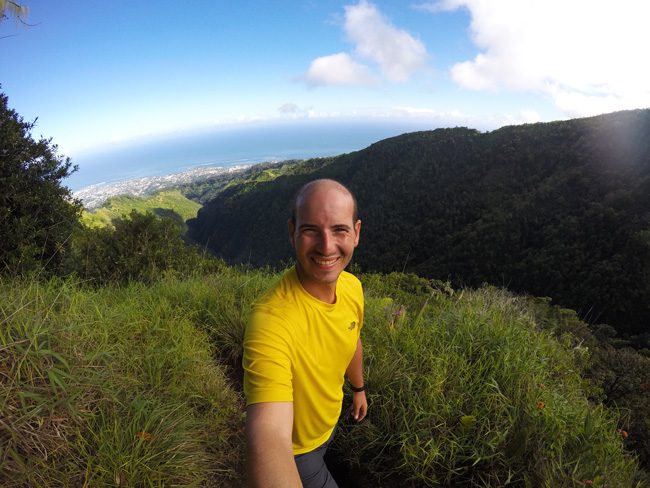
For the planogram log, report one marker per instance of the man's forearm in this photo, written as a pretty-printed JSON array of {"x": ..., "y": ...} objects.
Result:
[
  {"x": 355, "y": 376},
  {"x": 355, "y": 368},
  {"x": 270, "y": 461},
  {"x": 270, "y": 464}
]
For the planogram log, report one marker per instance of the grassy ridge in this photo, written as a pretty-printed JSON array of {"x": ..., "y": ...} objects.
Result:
[
  {"x": 162, "y": 203},
  {"x": 119, "y": 386}
]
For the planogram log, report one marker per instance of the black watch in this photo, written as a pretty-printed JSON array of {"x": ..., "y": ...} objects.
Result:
[{"x": 357, "y": 389}]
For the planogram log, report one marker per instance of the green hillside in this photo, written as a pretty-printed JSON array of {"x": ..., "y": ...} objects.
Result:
[
  {"x": 117, "y": 386},
  {"x": 164, "y": 203},
  {"x": 208, "y": 189},
  {"x": 184, "y": 202},
  {"x": 557, "y": 209}
]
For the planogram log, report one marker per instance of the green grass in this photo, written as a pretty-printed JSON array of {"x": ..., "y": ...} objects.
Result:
[
  {"x": 127, "y": 386},
  {"x": 113, "y": 387},
  {"x": 161, "y": 203},
  {"x": 219, "y": 304},
  {"x": 469, "y": 390}
]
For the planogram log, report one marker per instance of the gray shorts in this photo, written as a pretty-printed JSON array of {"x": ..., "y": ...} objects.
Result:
[{"x": 312, "y": 470}]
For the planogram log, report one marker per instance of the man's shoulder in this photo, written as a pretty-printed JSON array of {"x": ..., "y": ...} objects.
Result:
[
  {"x": 350, "y": 288},
  {"x": 351, "y": 281},
  {"x": 278, "y": 298}
]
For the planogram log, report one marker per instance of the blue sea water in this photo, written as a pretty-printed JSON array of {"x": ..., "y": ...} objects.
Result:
[{"x": 232, "y": 146}]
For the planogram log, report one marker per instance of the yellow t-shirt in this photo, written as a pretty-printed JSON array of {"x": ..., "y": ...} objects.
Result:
[{"x": 297, "y": 348}]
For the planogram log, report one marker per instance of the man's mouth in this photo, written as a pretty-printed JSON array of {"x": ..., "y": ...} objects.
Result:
[{"x": 325, "y": 262}]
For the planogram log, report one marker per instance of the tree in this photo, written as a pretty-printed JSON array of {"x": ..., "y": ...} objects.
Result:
[
  {"x": 37, "y": 213},
  {"x": 13, "y": 8},
  {"x": 140, "y": 247}
]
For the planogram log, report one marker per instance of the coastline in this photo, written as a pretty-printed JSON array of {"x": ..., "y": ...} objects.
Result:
[{"x": 94, "y": 196}]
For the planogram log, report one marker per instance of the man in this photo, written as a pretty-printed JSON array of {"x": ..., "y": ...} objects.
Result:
[{"x": 303, "y": 337}]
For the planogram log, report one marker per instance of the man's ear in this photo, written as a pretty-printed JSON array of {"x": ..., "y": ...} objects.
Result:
[
  {"x": 357, "y": 232},
  {"x": 291, "y": 227}
]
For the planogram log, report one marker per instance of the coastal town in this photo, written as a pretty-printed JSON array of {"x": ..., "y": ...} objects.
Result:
[{"x": 95, "y": 195}]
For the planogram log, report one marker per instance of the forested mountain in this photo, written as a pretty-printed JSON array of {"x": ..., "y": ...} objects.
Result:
[{"x": 557, "y": 209}]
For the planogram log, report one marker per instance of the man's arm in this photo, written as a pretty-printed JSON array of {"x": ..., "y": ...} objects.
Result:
[
  {"x": 270, "y": 461},
  {"x": 355, "y": 376}
]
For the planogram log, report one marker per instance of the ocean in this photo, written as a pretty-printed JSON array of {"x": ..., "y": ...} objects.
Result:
[{"x": 227, "y": 147}]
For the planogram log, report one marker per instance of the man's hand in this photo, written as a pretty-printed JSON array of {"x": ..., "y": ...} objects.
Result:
[
  {"x": 359, "y": 406},
  {"x": 355, "y": 375},
  {"x": 268, "y": 441}
]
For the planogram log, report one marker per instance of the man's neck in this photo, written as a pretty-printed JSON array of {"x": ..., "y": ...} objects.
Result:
[{"x": 325, "y": 292}]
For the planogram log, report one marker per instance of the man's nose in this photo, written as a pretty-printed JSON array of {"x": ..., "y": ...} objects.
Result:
[{"x": 327, "y": 245}]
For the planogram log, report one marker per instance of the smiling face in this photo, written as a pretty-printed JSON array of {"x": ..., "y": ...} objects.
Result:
[{"x": 324, "y": 236}]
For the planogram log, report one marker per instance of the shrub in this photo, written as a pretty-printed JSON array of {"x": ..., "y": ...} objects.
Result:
[
  {"x": 624, "y": 377},
  {"x": 619, "y": 375},
  {"x": 140, "y": 247},
  {"x": 468, "y": 390}
]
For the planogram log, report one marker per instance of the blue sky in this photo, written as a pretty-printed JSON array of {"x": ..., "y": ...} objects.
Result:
[{"x": 101, "y": 73}]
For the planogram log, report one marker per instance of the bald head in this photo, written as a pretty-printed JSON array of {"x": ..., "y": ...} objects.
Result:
[{"x": 322, "y": 185}]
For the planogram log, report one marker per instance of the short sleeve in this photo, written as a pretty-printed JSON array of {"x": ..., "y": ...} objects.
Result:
[
  {"x": 358, "y": 298},
  {"x": 361, "y": 308},
  {"x": 267, "y": 360}
]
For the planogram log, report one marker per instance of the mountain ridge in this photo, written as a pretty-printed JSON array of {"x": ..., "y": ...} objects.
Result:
[{"x": 559, "y": 209}]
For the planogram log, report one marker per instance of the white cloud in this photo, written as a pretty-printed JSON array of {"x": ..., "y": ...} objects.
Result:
[
  {"x": 397, "y": 52},
  {"x": 415, "y": 111},
  {"x": 456, "y": 117},
  {"x": 530, "y": 116},
  {"x": 434, "y": 7},
  {"x": 574, "y": 102},
  {"x": 289, "y": 108},
  {"x": 587, "y": 55},
  {"x": 337, "y": 69}
]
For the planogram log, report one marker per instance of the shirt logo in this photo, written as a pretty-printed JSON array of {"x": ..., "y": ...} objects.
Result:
[{"x": 353, "y": 324}]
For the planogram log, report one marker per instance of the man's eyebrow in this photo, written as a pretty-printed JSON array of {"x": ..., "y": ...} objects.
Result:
[
  {"x": 307, "y": 226},
  {"x": 314, "y": 226}
]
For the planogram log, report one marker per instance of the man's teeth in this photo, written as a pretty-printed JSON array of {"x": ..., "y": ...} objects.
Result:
[{"x": 325, "y": 262}]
